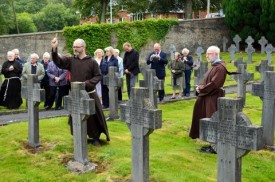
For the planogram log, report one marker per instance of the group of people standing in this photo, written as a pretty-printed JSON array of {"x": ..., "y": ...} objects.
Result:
[
  {"x": 54, "y": 80},
  {"x": 56, "y": 74}
]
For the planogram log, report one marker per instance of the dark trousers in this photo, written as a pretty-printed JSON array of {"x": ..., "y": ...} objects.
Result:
[
  {"x": 46, "y": 86},
  {"x": 187, "y": 81},
  {"x": 119, "y": 94},
  {"x": 161, "y": 93},
  {"x": 60, "y": 90},
  {"x": 105, "y": 95}
]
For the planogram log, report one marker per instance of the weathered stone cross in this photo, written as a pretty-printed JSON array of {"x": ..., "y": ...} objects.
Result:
[
  {"x": 80, "y": 106},
  {"x": 153, "y": 84},
  {"x": 199, "y": 73},
  {"x": 142, "y": 119},
  {"x": 234, "y": 136},
  {"x": 113, "y": 81},
  {"x": 242, "y": 79},
  {"x": 34, "y": 95},
  {"x": 266, "y": 90},
  {"x": 263, "y": 67}
]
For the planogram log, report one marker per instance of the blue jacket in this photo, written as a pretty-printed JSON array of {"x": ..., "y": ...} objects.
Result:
[
  {"x": 158, "y": 64},
  {"x": 54, "y": 71},
  {"x": 104, "y": 64}
]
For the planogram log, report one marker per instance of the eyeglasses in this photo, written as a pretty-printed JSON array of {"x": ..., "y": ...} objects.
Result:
[
  {"x": 210, "y": 53},
  {"x": 77, "y": 47}
]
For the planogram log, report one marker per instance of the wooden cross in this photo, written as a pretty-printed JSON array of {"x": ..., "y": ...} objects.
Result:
[
  {"x": 142, "y": 119},
  {"x": 34, "y": 95},
  {"x": 234, "y": 136}
]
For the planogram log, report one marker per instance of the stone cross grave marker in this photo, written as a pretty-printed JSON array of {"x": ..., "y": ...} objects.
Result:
[
  {"x": 172, "y": 50},
  {"x": 232, "y": 51},
  {"x": 262, "y": 42},
  {"x": 231, "y": 131},
  {"x": 263, "y": 67},
  {"x": 239, "y": 61},
  {"x": 249, "y": 50},
  {"x": 249, "y": 40},
  {"x": 199, "y": 52},
  {"x": 237, "y": 39},
  {"x": 80, "y": 107},
  {"x": 34, "y": 95},
  {"x": 199, "y": 73},
  {"x": 113, "y": 82},
  {"x": 266, "y": 90},
  {"x": 224, "y": 42},
  {"x": 242, "y": 79},
  {"x": 142, "y": 119},
  {"x": 153, "y": 84},
  {"x": 268, "y": 51}
]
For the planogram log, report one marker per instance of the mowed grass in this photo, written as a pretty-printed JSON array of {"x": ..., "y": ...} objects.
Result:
[{"x": 174, "y": 157}]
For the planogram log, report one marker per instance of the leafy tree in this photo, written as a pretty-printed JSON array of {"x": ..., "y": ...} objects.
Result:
[
  {"x": 241, "y": 20},
  {"x": 267, "y": 19},
  {"x": 92, "y": 7},
  {"x": 6, "y": 18},
  {"x": 29, "y": 6},
  {"x": 25, "y": 23},
  {"x": 55, "y": 17}
]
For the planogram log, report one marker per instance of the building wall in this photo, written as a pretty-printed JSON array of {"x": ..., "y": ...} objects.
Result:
[{"x": 206, "y": 32}]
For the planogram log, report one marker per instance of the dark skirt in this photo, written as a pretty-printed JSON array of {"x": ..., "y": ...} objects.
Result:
[{"x": 10, "y": 94}]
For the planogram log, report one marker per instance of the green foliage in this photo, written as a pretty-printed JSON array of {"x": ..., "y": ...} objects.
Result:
[
  {"x": 54, "y": 17},
  {"x": 29, "y": 6},
  {"x": 25, "y": 23},
  {"x": 137, "y": 33},
  {"x": 241, "y": 20}
]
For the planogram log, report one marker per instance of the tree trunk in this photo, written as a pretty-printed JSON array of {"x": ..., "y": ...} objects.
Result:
[
  {"x": 103, "y": 11},
  {"x": 188, "y": 9},
  {"x": 15, "y": 19}
]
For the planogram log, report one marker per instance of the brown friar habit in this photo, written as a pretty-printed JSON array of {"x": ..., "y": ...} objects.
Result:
[
  {"x": 86, "y": 70},
  {"x": 206, "y": 103}
]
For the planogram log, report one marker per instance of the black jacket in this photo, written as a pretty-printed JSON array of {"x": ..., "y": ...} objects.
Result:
[{"x": 131, "y": 61}]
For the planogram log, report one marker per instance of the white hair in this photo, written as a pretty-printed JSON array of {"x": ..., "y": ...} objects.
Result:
[
  {"x": 116, "y": 50},
  {"x": 185, "y": 51},
  {"x": 34, "y": 55},
  {"x": 109, "y": 48},
  {"x": 46, "y": 55},
  {"x": 213, "y": 48}
]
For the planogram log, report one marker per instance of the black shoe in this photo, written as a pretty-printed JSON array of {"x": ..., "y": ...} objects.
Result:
[
  {"x": 96, "y": 142},
  {"x": 47, "y": 107},
  {"x": 208, "y": 150},
  {"x": 58, "y": 108}
]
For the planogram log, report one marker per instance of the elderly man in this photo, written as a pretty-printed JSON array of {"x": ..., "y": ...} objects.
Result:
[
  {"x": 83, "y": 68},
  {"x": 158, "y": 60},
  {"x": 17, "y": 56},
  {"x": 33, "y": 67},
  {"x": 208, "y": 92}
]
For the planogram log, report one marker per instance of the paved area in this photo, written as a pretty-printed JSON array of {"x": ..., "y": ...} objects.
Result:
[{"x": 19, "y": 116}]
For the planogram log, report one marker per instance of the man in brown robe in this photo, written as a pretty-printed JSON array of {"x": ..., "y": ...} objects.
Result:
[
  {"x": 209, "y": 91},
  {"x": 83, "y": 68}
]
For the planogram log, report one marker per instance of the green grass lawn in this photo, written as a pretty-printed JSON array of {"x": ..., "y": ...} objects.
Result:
[{"x": 174, "y": 157}]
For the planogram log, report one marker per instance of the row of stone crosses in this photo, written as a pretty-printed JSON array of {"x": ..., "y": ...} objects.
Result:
[
  {"x": 229, "y": 128},
  {"x": 234, "y": 48}
]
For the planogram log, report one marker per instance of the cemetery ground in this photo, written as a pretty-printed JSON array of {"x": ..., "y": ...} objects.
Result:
[{"x": 173, "y": 155}]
